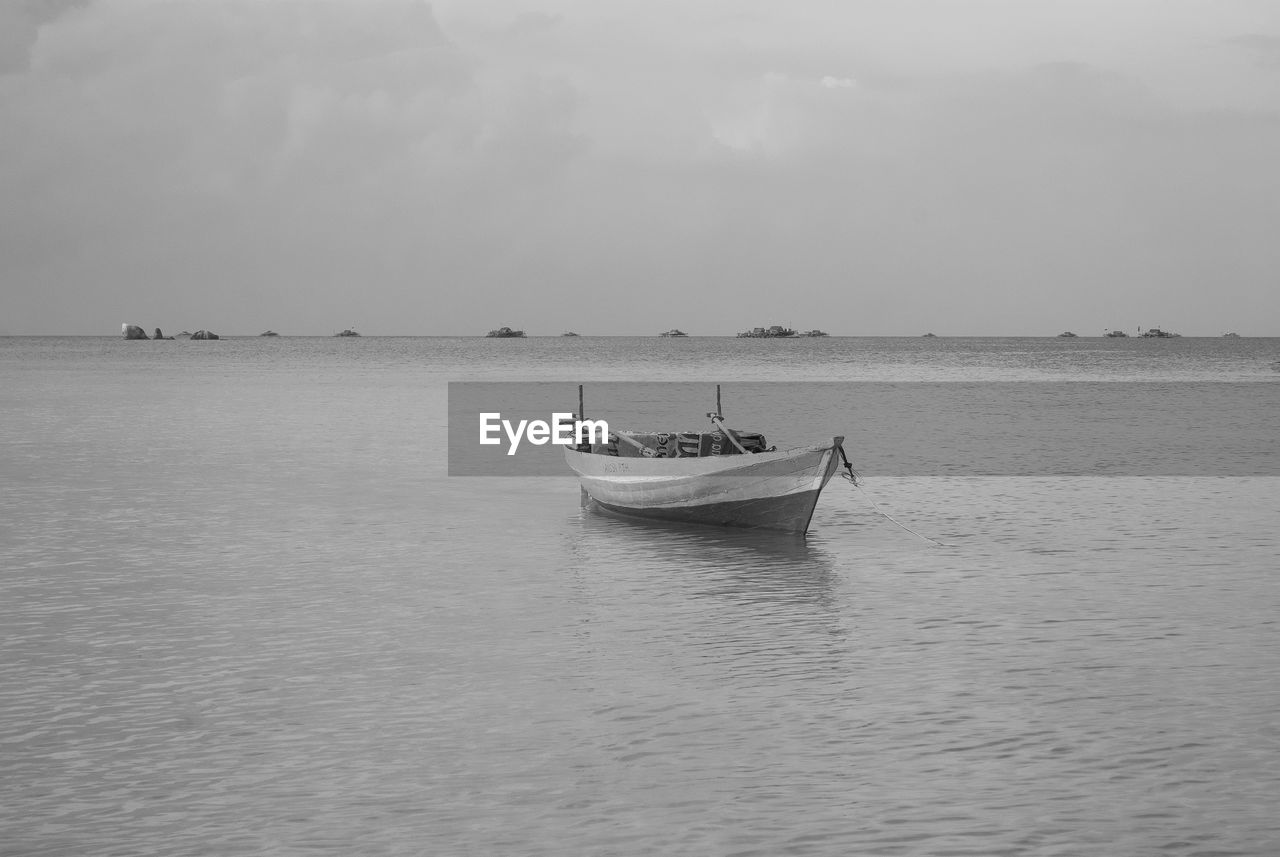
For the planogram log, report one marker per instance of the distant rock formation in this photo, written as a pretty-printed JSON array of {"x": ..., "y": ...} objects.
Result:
[
  {"x": 132, "y": 331},
  {"x": 160, "y": 335},
  {"x": 505, "y": 333},
  {"x": 204, "y": 334},
  {"x": 772, "y": 331}
]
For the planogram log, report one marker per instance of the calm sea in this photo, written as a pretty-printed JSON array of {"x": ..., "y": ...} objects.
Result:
[{"x": 245, "y": 610}]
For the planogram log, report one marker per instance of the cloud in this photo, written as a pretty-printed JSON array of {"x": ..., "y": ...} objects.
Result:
[
  {"x": 533, "y": 22},
  {"x": 311, "y": 165},
  {"x": 156, "y": 150},
  {"x": 20, "y": 24},
  {"x": 1265, "y": 46}
]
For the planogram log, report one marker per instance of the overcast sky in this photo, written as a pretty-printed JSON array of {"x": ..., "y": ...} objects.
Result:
[{"x": 967, "y": 167}]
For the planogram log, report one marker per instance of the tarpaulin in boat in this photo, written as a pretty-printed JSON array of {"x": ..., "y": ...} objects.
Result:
[{"x": 682, "y": 444}]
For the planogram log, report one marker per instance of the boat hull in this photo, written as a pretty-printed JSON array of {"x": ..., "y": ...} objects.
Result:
[{"x": 767, "y": 490}]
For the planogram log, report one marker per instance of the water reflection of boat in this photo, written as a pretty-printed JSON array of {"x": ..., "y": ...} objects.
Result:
[{"x": 775, "y": 565}]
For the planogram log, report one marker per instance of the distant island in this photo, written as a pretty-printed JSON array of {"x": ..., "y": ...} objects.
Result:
[
  {"x": 133, "y": 331},
  {"x": 773, "y": 331},
  {"x": 505, "y": 333}
]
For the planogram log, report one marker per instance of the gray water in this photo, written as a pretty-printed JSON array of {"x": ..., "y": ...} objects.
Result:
[{"x": 246, "y": 611}]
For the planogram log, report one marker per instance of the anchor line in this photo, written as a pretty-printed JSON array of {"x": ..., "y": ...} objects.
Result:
[{"x": 852, "y": 477}]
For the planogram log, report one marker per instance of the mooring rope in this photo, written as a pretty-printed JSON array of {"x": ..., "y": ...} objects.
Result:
[{"x": 852, "y": 477}]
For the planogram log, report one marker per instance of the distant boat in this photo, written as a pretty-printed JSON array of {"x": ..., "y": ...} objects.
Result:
[
  {"x": 722, "y": 477},
  {"x": 814, "y": 332},
  {"x": 1157, "y": 333},
  {"x": 1116, "y": 334},
  {"x": 1066, "y": 334},
  {"x": 773, "y": 331},
  {"x": 675, "y": 331},
  {"x": 347, "y": 332},
  {"x": 930, "y": 336},
  {"x": 1230, "y": 336},
  {"x": 568, "y": 333},
  {"x": 505, "y": 333},
  {"x": 270, "y": 333}
]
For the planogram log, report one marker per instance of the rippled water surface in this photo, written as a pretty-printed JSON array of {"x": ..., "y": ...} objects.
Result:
[{"x": 245, "y": 611}]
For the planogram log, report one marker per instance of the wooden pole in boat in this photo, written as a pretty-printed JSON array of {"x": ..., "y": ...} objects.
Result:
[
  {"x": 581, "y": 415},
  {"x": 718, "y": 411}
]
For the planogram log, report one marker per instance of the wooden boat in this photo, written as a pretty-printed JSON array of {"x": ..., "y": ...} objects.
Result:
[{"x": 723, "y": 477}]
